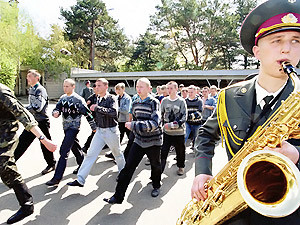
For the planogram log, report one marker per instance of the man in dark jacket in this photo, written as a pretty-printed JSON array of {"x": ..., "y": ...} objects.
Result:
[
  {"x": 38, "y": 105},
  {"x": 87, "y": 91},
  {"x": 107, "y": 132}
]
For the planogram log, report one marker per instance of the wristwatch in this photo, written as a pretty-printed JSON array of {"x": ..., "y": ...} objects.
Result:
[{"x": 42, "y": 137}]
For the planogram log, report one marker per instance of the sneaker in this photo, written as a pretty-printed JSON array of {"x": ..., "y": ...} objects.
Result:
[
  {"x": 48, "y": 169},
  {"x": 180, "y": 171},
  {"x": 147, "y": 162},
  {"x": 75, "y": 183},
  {"x": 53, "y": 182},
  {"x": 155, "y": 192}
]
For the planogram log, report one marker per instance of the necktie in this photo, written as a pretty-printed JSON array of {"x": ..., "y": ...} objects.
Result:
[{"x": 267, "y": 100}]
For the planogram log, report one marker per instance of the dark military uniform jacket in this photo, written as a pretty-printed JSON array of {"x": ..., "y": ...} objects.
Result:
[
  {"x": 239, "y": 99},
  {"x": 11, "y": 112}
]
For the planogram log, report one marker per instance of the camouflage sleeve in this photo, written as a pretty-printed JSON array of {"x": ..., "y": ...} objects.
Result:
[{"x": 17, "y": 109}]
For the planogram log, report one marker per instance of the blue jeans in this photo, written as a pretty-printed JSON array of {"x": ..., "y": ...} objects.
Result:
[
  {"x": 70, "y": 142},
  {"x": 191, "y": 128},
  {"x": 103, "y": 136}
]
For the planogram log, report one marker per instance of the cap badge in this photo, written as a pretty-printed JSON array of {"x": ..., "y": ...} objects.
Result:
[
  {"x": 244, "y": 90},
  {"x": 289, "y": 18}
]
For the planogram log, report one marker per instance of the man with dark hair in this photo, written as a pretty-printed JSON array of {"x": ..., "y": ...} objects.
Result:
[
  {"x": 12, "y": 112},
  {"x": 38, "y": 105},
  {"x": 87, "y": 91}
]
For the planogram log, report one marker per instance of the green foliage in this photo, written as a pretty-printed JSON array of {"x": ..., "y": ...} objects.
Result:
[
  {"x": 8, "y": 71},
  {"x": 203, "y": 32},
  {"x": 52, "y": 59},
  {"x": 8, "y": 43},
  {"x": 151, "y": 54},
  {"x": 103, "y": 42}
]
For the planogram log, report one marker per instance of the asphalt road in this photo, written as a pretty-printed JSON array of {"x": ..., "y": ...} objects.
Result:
[{"x": 75, "y": 205}]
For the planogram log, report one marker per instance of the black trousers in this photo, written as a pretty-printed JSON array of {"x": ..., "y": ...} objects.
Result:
[
  {"x": 88, "y": 141},
  {"x": 129, "y": 144},
  {"x": 176, "y": 141},
  {"x": 26, "y": 138},
  {"x": 123, "y": 130},
  {"x": 135, "y": 156}
]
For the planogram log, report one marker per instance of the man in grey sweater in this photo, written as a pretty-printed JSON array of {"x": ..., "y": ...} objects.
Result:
[
  {"x": 38, "y": 105},
  {"x": 174, "y": 114}
]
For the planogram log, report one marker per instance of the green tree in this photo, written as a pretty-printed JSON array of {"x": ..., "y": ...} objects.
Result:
[
  {"x": 88, "y": 22},
  {"x": 203, "y": 32},
  {"x": 8, "y": 43},
  {"x": 52, "y": 58},
  {"x": 243, "y": 7},
  {"x": 150, "y": 54}
]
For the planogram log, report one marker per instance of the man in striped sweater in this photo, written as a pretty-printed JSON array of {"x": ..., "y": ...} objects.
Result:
[
  {"x": 194, "y": 107},
  {"x": 145, "y": 111}
]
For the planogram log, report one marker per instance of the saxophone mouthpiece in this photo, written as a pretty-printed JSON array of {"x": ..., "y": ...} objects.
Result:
[{"x": 287, "y": 67}]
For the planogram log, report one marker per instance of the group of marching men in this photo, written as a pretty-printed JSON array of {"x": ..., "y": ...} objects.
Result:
[{"x": 154, "y": 124}]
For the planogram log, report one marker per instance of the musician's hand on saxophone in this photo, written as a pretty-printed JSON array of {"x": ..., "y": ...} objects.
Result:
[
  {"x": 199, "y": 190},
  {"x": 288, "y": 150}
]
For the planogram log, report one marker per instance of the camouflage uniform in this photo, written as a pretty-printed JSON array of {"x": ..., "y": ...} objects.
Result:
[{"x": 12, "y": 112}]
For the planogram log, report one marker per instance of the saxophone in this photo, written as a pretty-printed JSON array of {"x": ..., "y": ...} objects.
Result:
[{"x": 264, "y": 180}]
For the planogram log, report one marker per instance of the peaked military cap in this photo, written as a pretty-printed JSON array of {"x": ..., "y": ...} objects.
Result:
[{"x": 269, "y": 17}]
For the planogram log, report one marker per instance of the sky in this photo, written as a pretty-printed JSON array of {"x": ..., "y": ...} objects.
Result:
[{"x": 133, "y": 15}]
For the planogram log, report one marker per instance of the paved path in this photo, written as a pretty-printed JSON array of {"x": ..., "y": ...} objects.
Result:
[{"x": 74, "y": 205}]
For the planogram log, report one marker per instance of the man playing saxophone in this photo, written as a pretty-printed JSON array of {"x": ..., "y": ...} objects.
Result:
[{"x": 271, "y": 32}]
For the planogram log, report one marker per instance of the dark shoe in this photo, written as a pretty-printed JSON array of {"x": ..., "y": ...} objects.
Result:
[
  {"x": 180, "y": 171},
  {"x": 23, "y": 212},
  {"x": 53, "y": 182},
  {"x": 84, "y": 149},
  {"x": 112, "y": 200},
  {"x": 76, "y": 170},
  {"x": 48, "y": 169},
  {"x": 109, "y": 155},
  {"x": 75, "y": 183},
  {"x": 155, "y": 192},
  {"x": 25, "y": 200}
]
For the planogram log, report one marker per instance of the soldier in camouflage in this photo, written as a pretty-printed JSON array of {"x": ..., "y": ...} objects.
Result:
[{"x": 12, "y": 112}]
